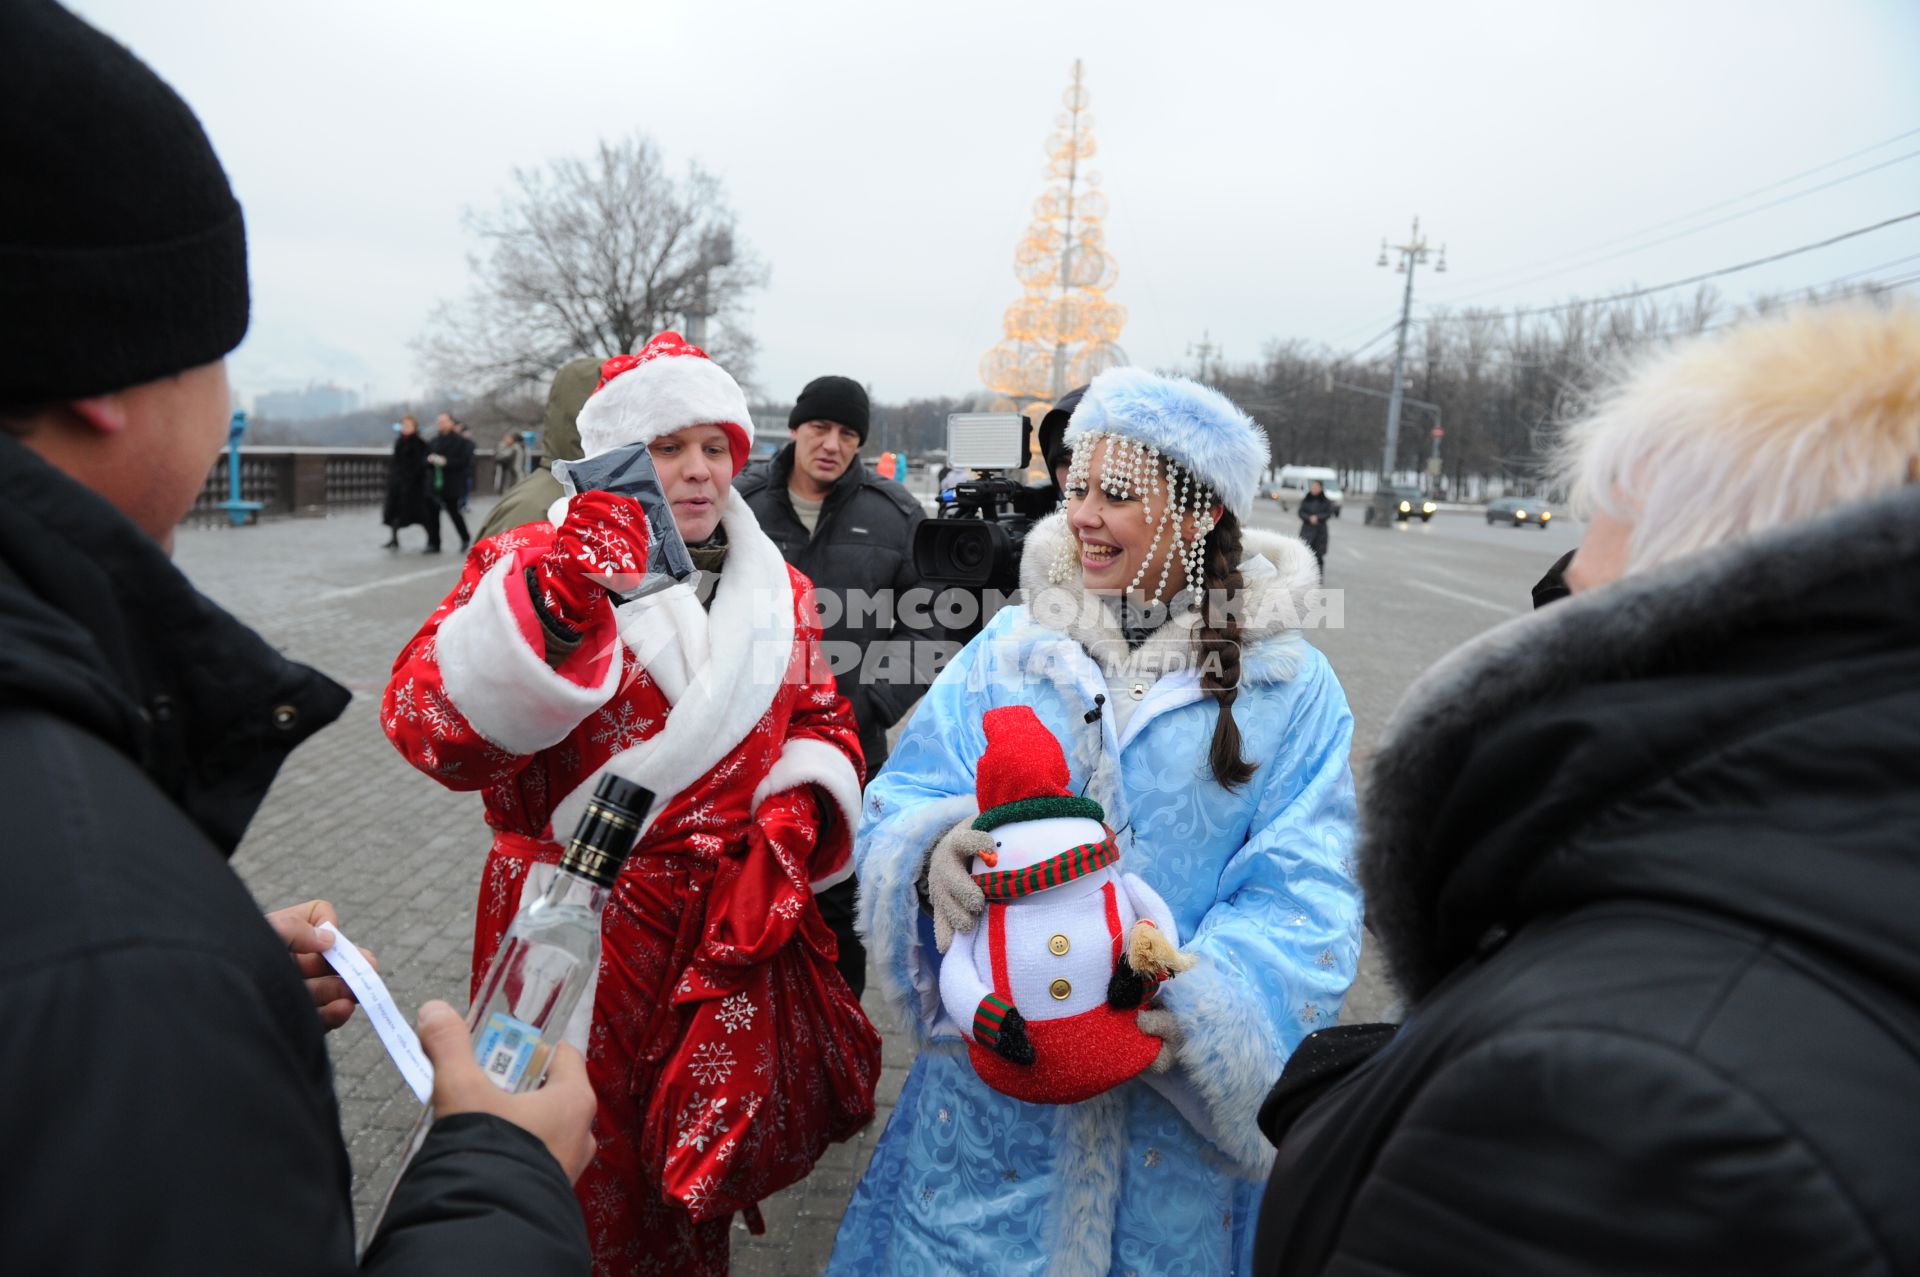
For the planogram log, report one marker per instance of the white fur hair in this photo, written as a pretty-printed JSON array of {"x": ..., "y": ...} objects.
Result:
[
  {"x": 1773, "y": 421},
  {"x": 1196, "y": 425}
]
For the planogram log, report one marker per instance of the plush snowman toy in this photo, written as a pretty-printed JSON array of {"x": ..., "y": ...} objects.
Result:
[{"x": 1050, "y": 981}]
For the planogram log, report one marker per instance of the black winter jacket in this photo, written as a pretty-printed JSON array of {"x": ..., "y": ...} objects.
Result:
[
  {"x": 459, "y": 452},
  {"x": 409, "y": 488},
  {"x": 170, "y": 1106},
  {"x": 1647, "y": 864},
  {"x": 863, "y": 542}
]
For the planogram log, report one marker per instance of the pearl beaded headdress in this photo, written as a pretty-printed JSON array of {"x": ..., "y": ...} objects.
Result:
[{"x": 1168, "y": 494}]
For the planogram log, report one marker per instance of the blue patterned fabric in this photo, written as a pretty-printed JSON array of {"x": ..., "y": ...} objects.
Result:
[{"x": 1154, "y": 1178}]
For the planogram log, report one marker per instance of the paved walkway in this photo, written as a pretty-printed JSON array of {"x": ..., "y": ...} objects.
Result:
[{"x": 400, "y": 857}]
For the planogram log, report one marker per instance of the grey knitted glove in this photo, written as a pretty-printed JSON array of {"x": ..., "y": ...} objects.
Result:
[
  {"x": 955, "y": 897},
  {"x": 1158, "y": 1022}
]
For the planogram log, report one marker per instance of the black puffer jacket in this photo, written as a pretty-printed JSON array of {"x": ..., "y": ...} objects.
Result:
[
  {"x": 1646, "y": 862},
  {"x": 863, "y": 542},
  {"x": 170, "y": 1106}
]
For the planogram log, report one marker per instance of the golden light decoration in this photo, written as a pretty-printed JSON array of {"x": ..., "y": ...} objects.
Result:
[{"x": 1063, "y": 329}]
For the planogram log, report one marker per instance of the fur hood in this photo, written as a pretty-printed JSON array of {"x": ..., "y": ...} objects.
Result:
[
  {"x": 1282, "y": 592},
  {"x": 1769, "y": 607}
]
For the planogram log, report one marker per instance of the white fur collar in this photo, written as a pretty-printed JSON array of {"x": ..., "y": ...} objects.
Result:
[{"x": 721, "y": 669}]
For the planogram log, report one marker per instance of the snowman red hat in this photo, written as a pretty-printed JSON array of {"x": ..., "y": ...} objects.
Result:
[
  {"x": 1049, "y": 985},
  {"x": 669, "y": 385}
]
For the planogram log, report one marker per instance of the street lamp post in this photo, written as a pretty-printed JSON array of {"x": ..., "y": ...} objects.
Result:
[{"x": 1412, "y": 253}]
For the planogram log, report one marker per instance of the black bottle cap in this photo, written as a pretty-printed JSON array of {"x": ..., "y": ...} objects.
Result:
[
  {"x": 624, "y": 796},
  {"x": 607, "y": 830}
]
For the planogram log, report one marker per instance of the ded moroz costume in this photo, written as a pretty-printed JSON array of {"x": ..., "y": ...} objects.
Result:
[{"x": 725, "y": 1047}]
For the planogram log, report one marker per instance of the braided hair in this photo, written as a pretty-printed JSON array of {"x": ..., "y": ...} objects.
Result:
[{"x": 1219, "y": 638}]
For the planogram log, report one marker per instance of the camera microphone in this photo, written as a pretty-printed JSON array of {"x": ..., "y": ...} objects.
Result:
[{"x": 1093, "y": 715}]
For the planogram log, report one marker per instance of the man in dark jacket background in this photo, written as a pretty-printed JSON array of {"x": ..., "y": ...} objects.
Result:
[
  {"x": 451, "y": 456},
  {"x": 170, "y": 1106},
  {"x": 851, "y": 532}
]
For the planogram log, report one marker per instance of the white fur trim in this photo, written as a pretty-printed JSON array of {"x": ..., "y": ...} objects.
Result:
[
  {"x": 1091, "y": 1139},
  {"x": 500, "y": 684},
  {"x": 888, "y": 915},
  {"x": 804, "y": 761},
  {"x": 751, "y": 628},
  {"x": 1229, "y": 1057},
  {"x": 659, "y": 397}
]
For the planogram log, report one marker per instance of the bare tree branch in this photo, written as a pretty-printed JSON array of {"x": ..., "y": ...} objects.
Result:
[{"x": 592, "y": 257}]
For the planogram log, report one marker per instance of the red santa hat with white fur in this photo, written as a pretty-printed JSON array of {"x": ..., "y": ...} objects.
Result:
[{"x": 669, "y": 385}]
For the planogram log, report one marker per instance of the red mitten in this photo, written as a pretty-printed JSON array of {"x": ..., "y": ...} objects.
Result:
[{"x": 601, "y": 544}]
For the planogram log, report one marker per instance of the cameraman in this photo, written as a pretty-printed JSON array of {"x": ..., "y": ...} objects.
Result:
[
  {"x": 852, "y": 533},
  {"x": 1052, "y": 440}
]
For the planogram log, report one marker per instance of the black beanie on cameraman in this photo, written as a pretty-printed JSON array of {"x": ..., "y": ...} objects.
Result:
[
  {"x": 837, "y": 399},
  {"x": 123, "y": 258}
]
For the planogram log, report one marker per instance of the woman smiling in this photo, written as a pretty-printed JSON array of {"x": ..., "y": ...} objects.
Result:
[{"x": 1216, "y": 741}]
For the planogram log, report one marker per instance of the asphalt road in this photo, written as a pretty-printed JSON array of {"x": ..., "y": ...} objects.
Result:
[
  {"x": 1412, "y": 592},
  {"x": 1415, "y": 591}
]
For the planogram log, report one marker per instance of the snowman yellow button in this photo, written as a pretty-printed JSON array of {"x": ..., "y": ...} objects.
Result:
[
  {"x": 1060, "y": 990},
  {"x": 1058, "y": 946}
]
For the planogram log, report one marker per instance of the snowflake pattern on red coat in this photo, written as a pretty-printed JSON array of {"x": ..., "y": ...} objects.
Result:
[{"x": 717, "y": 981}]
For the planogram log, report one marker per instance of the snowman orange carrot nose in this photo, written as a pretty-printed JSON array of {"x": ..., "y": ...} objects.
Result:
[{"x": 991, "y": 857}]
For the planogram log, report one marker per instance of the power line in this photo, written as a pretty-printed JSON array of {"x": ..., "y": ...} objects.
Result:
[
  {"x": 1692, "y": 230},
  {"x": 1865, "y": 286},
  {"x": 1710, "y": 208},
  {"x": 1701, "y": 278},
  {"x": 1371, "y": 341}
]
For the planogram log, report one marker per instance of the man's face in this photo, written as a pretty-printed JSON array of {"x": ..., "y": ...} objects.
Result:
[
  {"x": 443, "y": 424},
  {"x": 823, "y": 450},
  {"x": 696, "y": 467},
  {"x": 156, "y": 463}
]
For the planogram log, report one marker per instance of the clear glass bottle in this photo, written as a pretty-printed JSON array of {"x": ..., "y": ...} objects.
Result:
[
  {"x": 552, "y": 948},
  {"x": 549, "y": 955}
]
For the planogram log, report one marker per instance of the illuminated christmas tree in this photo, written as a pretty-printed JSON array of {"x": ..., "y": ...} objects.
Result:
[{"x": 1063, "y": 329}]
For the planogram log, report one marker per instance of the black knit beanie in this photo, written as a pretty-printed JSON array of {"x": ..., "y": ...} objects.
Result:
[
  {"x": 123, "y": 258},
  {"x": 837, "y": 399}
]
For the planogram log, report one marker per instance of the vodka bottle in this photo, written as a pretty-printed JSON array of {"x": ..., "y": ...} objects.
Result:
[
  {"x": 551, "y": 951},
  {"x": 548, "y": 957}
]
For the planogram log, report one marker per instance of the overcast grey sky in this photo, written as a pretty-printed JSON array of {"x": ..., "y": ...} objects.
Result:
[{"x": 884, "y": 157}]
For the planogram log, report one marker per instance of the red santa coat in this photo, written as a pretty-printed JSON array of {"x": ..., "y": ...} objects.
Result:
[{"x": 725, "y": 1048}]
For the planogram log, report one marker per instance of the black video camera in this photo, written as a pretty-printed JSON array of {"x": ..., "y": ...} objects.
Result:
[{"x": 976, "y": 541}]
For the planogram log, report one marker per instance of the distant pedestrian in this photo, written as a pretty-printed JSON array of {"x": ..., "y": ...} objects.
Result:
[
  {"x": 507, "y": 461},
  {"x": 1315, "y": 509},
  {"x": 1643, "y": 862},
  {"x": 451, "y": 459},
  {"x": 409, "y": 496}
]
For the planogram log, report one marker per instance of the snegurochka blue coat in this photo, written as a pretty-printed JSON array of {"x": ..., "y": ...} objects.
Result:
[{"x": 1161, "y": 1176}]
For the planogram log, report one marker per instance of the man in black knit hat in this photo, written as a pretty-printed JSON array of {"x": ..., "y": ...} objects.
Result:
[
  {"x": 170, "y": 1104},
  {"x": 851, "y": 532}
]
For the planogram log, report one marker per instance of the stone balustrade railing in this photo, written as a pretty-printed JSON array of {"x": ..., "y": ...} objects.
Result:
[{"x": 306, "y": 481}]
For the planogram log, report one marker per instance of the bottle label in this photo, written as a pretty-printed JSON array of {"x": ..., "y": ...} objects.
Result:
[{"x": 505, "y": 1047}]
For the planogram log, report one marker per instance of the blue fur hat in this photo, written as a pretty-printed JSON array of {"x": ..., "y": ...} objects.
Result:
[{"x": 1194, "y": 424}]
